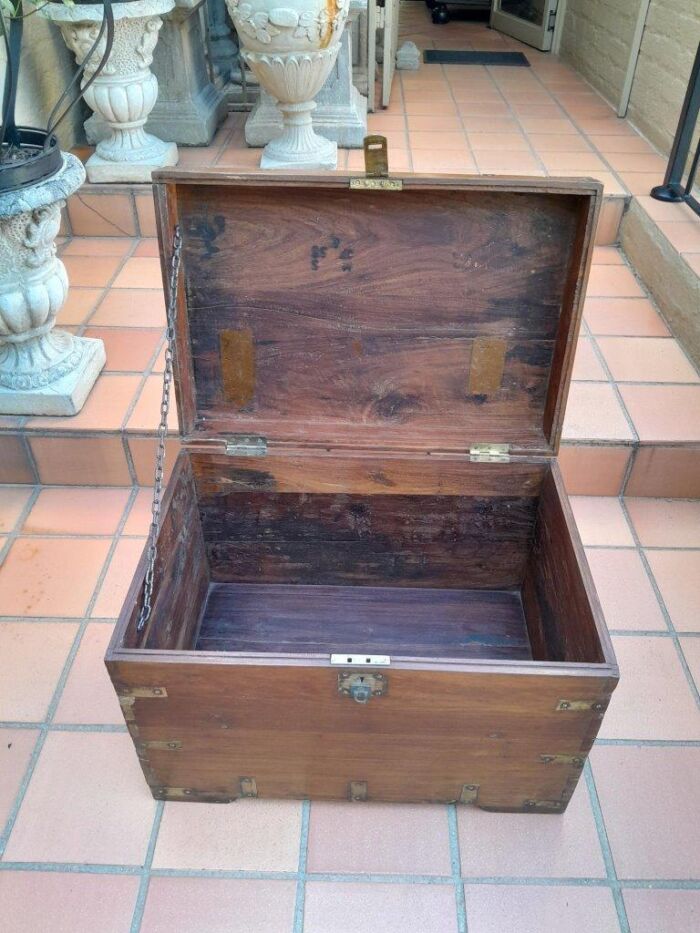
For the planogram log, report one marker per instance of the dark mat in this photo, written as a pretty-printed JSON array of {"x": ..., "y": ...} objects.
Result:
[{"x": 453, "y": 57}]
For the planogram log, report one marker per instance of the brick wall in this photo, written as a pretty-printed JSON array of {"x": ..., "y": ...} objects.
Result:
[
  {"x": 596, "y": 40},
  {"x": 666, "y": 57}
]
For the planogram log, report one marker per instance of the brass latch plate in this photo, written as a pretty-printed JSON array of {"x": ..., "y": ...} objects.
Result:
[
  {"x": 376, "y": 167},
  {"x": 246, "y": 445},
  {"x": 575, "y": 706},
  {"x": 361, "y": 686},
  {"x": 577, "y": 761}
]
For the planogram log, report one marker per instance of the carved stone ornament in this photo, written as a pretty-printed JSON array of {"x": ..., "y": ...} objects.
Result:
[
  {"x": 126, "y": 89},
  {"x": 291, "y": 50},
  {"x": 42, "y": 371}
]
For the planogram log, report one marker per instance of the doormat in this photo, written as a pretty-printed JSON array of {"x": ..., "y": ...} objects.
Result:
[{"x": 452, "y": 57}]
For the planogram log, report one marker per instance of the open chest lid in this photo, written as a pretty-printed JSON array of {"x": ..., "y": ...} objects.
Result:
[{"x": 436, "y": 316}]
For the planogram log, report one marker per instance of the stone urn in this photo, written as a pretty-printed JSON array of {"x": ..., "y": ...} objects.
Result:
[
  {"x": 42, "y": 371},
  {"x": 126, "y": 90},
  {"x": 291, "y": 46}
]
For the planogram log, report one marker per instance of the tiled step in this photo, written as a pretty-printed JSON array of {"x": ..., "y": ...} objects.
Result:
[{"x": 632, "y": 424}]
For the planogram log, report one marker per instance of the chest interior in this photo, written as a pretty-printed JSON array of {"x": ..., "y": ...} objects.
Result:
[{"x": 374, "y": 339}]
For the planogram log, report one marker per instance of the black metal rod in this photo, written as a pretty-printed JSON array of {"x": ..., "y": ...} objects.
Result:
[{"x": 672, "y": 188}]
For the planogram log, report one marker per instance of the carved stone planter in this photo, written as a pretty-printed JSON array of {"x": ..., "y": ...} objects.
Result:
[
  {"x": 42, "y": 371},
  {"x": 341, "y": 111},
  {"x": 291, "y": 49},
  {"x": 126, "y": 90}
]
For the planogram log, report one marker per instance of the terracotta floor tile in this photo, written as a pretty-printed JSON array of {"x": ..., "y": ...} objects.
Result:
[
  {"x": 664, "y": 413},
  {"x": 32, "y": 656},
  {"x": 379, "y": 838},
  {"x": 484, "y": 108},
  {"x": 576, "y": 161},
  {"x": 648, "y": 796},
  {"x": 594, "y": 412},
  {"x": 587, "y": 366},
  {"x": 500, "y": 142},
  {"x": 13, "y": 500},
  {"x": 608, "y": 229},
  {"x": 613, "y": 282},
  {"x": 646, "y": 359},
  {"x": 653, "y": 699},
  {"x": 88, "y": 696},
  {"x": 91, "y": 271},
  {"x": 129, "y": 349},
  {"x": 637, "y": 162},
  {"x": 558, "y": 126},
  {"x": 606, "y": 126},
  {"x": 443, "y": 141},
  {"x": 670, "y": 911},
  {"x": 131, "y": 308},
  {"x": 482, "y": 124},
  {"x": 624, "y": 589},
  {"x": 436, "y": 108},
  {"x": 683, "y": 237},
  {"x": 380, "y": 122},
  {"x": 253, "y": 835},
  {"x": 16, "y": 747},
  {"x": 214, "y": 905},
  {"x": 393, "y": 908},
  {"x": 624, "y": 317},
  {"x": 146, "y": 413},
  {"x": 145, "y": 211},
  {"x": 492, "y": 162},
  {"x": 665, "y": 522},
  {"x": 677, "y": 574},
  {"x": 118, "y": 578},
  {"x": 81, "y": 460},
  {"x": 494, "y": 844},
  {"x": 104, "y": 410},
  {"x": 519, "y": 909},
  {"x": 77, "y": 511},
  {"x": 148, "y": 246},
  {"x": 693, "y": 260},
  {"x": 607, "y": 256},
  {"x": 666, "y": 212},
  {"x": 78, "y": 305},
  {"x": 101, "y": 215},
  {"x": 549, "y": 143},
  {"x": 97, "y": 246},
  {"x": 43, "y": 575},
  {"x": 434, "y": 122},
  {"x": 140, "y": 272},
  {"x": 139, "y": 519},
  {"x": 601, "y": 521},
  {"x": 143, "y": 453},
  {"x": 593, "y": 470},
  {"x": 665, "y": 471},
  {"x": 75, "y": 903},
  {"x": 640, "y": 183},
  {"x": 87, "y": 802},
  {"x": 609, "y": 144}
]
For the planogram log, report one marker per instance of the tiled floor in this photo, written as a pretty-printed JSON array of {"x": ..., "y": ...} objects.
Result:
[{"x": 85, "y": 848}]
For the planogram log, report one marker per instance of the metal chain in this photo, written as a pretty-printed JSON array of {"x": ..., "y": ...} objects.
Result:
[{"x": 162, "y": 429}]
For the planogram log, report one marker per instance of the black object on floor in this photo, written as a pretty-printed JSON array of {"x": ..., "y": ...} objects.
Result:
[{"x": 452, "y": 57}]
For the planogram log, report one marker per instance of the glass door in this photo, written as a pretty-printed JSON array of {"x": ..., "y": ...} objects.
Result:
[{"x": 531, "y": 21}]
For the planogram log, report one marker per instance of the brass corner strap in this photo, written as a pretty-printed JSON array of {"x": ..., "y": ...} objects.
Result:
[{"x": 376, "y": 167}]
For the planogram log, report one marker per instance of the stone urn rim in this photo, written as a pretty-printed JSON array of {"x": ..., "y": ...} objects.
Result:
[
  {"x": 82, "y": 11},
  {"x": 45, "y": 191}
]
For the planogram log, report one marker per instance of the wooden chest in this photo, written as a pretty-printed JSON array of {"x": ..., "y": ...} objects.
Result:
[{"x": 368, "y": 580}]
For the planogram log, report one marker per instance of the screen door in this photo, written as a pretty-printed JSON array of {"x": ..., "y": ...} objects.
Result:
[{"x": 531, "y": 21}]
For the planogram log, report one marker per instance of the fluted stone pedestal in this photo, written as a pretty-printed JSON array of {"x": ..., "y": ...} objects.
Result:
[{"x": 42, "y": 371}]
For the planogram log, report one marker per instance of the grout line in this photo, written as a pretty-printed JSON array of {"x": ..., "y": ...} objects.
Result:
[
  {"x": 140, "y": 905},
  {"x": 64, "y": 726},
  {"x": 631, "y": 461},
  {"x": 651, "y": 743},
  {"x": 662, "y": 605},
  {"x": 110, "y": 283},
  {"x": 298, "y": 923},
  {"x": 606, "y": 850},
  {"x": 611, "y": 381},
  {"x": 456, "y": 862}
]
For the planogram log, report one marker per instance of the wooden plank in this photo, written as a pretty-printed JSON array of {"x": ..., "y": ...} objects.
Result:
[
  {"x": 290, "y": 729},
  {"x": 436, "y": 541},
  {"x": 375, "y": 620}
]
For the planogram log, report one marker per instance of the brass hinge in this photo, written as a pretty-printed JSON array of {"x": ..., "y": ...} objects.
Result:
[
  {"x": 469, "y": 794},
  {"x": 376, "y": 167},
  {"x": 489, "y": 453},
  {"x": 246, "y": 445},
  {"x": 575, "y": 706},
  {"x": 576, "y": 760},
  {"x": 543, "y": 805},
  {"x": 357, "y": 790},
  {"x": 249, "y": 787},
  {"x": 190, "y": 793},
  {"x": 171, "y": 746},
  {"x": 142, "y": 692}
]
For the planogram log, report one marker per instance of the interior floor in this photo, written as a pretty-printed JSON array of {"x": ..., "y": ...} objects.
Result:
[{"x": 396, "y": 621}]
